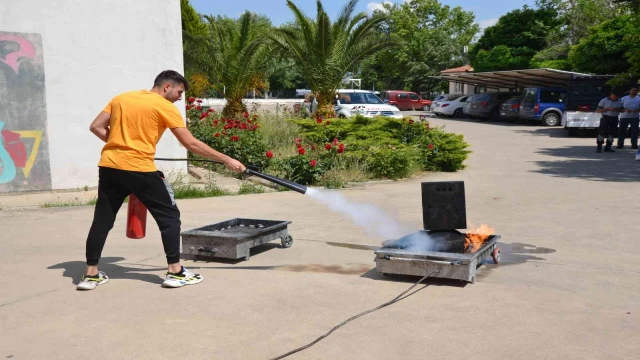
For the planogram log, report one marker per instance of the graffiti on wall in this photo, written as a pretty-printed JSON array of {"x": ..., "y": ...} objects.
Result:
[{"x": 24, "y": 148}]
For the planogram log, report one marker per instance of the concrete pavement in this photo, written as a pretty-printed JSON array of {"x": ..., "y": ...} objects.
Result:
[{"x": 567, "y": 287}]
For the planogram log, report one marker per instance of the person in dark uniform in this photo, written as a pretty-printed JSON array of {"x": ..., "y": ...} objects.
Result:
[{"x": 610, "y": 108}]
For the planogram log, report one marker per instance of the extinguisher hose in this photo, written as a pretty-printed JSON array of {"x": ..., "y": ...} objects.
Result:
[{"x": 252, "y": 170}]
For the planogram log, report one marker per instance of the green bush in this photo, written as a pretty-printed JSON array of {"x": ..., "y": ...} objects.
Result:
[
  {"x": 389, "y": 162},
  {"x": 331, "y": 152},
  {"x": 237, "y": 138},
  {"x": 442, "y": 151}
]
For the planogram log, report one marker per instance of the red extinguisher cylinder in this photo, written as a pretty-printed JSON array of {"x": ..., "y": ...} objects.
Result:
[{"x": 136, "y": 218}]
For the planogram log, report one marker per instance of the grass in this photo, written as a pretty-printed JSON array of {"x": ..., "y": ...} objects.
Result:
[
  {"x": 74, "y": 202},
  {"x": 249, "y": 188},
  {"x": 279, "y": 134},
  {"x": 194, "y": 192}
]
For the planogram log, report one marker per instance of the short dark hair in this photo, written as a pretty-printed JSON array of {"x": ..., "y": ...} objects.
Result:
[{"x": 170, "y": 76}]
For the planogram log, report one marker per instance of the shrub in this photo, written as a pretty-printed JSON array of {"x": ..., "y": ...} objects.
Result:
[
  {"x": 442, "y": 151},
  {"x": 237, "y": 138},
  {"x": 389, "y": 162}
]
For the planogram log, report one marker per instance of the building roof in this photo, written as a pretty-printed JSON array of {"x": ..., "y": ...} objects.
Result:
[
  {"x": 466, "y": 68},
  {"x": 514, "y": 78}
]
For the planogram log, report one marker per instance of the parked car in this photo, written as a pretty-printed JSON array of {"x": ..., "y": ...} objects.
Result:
[
  {"x": 545, "y": 105},
  {"x": 453, "y": 105},
  {"x": 510, "y": 109},
  {"x": 487, "y": 105},
  {"x": 406, "y": 100},
  {"x": 353, "y": 102}
]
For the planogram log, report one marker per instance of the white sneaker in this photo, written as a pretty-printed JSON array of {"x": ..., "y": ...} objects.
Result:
[
  {"x": 638, "y": 157},
  {"x": 90, "y": 282},
  {"x": 186, "y": 277}
]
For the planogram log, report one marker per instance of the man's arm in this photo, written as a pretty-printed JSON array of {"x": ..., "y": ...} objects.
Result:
[
  {"x": 100, "y": 126},
  {"x": 199, "y": 148}
]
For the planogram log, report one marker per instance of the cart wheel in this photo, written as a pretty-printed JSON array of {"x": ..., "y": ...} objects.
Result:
[
  {"x": 287, "y": 241},
  {"x": 496, "y": 255}
]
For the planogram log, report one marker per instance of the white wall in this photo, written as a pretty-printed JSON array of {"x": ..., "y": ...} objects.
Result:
[{"x": 94, "y": 50}]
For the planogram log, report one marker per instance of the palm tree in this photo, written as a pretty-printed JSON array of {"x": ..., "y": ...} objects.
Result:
[
  {"x": 324, "y": 52},
  {"x": 235, "y": 57}
]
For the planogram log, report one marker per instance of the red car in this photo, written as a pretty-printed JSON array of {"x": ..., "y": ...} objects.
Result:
[{"x": 406, "y": 100}]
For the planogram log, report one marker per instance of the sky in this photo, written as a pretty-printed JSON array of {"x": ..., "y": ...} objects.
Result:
[{"x": 487, "y": 11}]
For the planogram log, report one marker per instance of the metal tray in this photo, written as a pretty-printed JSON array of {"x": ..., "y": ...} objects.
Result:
[
  {"x": 449, "y": 265},
  {"x": 233, "y": 239}
]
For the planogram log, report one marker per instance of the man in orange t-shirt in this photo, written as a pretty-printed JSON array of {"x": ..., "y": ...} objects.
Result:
[{"x": 131, "y": 125}]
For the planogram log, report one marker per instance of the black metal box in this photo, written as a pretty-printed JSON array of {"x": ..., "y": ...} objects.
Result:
[{"x": 444, "y": 205}]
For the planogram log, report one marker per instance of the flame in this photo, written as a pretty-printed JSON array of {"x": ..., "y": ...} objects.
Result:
[{"x": 476, "y": 237}]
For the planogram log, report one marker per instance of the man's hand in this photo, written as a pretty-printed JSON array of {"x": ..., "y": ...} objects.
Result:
[{"x": 234, "y": 165}]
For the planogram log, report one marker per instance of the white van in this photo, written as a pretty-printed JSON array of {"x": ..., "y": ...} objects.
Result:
[{"x": 351, "y": 102}]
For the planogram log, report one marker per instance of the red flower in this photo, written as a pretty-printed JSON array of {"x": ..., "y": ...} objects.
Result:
[
  {"x": 313, "y": 147},
  {"x": 246, "y": 115},
  {"x": 217, "y": 135},
  {"x": 269, "y": 154},
  {"x": 298, "y": 141},
  {"x": 336, "y": 141},
  {"x": 319, "y": 120},
  {"x": 430, "y": 146},
  {"x": 301, "y": 151},
  {"x": 243, "y": 126},
  {"x": 235, "y": 138},
  {"x": 198, "y": 107},
  {"x": 313, "y": 163},
  {"x": 215, "y": 122},
  {"x": 227, "y": 127},
  {"x": 212, "y": 110},
  {"x": 254, "y": 127},
  {"x": 199, "y": 101},
  {"x": 203, "y": 115},
  {"x": 328, "y": 146},
  {"x": 341, "y": 149},
  {"x": 411, "y": 121},
  {"x": 191, "y": 100},
  {"x": 188, "y": 107}
]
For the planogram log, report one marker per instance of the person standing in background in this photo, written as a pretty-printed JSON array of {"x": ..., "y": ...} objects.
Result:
[
  {"x": 629, "y": 117},
  {"x": 609, "y": 107}
]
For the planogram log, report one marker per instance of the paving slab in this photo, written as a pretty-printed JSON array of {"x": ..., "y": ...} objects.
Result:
[{"x": 567, "y": 287}]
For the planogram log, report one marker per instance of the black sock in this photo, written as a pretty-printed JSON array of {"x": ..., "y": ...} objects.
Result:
[{"x": 179, "y": 272}]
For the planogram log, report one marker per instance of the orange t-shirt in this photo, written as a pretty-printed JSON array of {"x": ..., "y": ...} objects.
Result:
[{"x": 138, "y": 120}]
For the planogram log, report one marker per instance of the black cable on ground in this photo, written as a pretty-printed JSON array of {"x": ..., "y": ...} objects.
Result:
[{"x": 395, "y": 300}]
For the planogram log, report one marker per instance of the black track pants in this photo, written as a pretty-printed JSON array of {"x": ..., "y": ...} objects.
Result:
[{"x": 153, "y": 191}]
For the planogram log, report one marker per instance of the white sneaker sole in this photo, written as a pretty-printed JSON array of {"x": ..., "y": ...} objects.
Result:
[
  {"x": 86, "y": 286},
  {"x": 178, "y": 283}
]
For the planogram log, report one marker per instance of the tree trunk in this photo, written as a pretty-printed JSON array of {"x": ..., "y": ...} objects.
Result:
[
  {"x": 325, "y": 104},
  {"x": 234, "y": 108}
]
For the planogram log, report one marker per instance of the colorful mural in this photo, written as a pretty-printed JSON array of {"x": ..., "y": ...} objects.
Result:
[{"x": 24, "y": 147}]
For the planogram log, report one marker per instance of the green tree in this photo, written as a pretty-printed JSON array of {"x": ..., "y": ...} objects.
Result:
[
  {"x": 324, "y": 51},
  {"x": 235, "y": 57},
  {"x": 193, "y": 29},
  {"x": 428, "y": 36},
  {"x": 518, "y": 36},
  {"x": 603, "y": 50},
  {"x": 576, "y": 18}
]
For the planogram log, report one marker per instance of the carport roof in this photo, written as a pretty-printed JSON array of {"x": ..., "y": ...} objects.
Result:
[{"x": 515, "y": 79}]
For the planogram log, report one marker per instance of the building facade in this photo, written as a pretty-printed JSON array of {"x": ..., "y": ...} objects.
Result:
[{"x": 60, "y": 63}]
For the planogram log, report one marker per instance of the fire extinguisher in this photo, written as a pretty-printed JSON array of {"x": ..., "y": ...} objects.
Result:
[{"x": 136, "y": 218}]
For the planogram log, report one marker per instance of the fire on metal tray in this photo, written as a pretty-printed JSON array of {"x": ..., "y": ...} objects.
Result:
[{"x": 441, "y": 250}]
